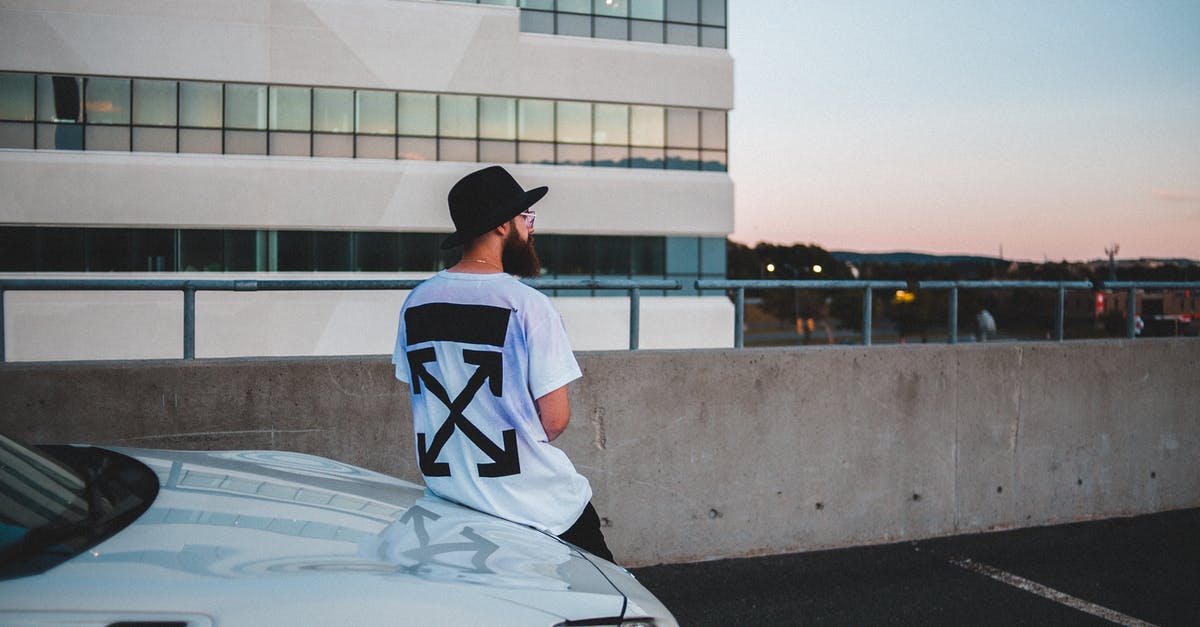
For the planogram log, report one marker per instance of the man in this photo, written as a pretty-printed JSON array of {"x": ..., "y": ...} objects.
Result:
[{"x": 488, "y": 363}]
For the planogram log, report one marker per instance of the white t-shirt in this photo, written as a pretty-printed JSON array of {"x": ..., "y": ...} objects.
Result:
[{"x": 476, "y": 350}]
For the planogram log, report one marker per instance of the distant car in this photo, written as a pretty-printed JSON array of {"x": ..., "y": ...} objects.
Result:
[{"x": 102, "y": 536}]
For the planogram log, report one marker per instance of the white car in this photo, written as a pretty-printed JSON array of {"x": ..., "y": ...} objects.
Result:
[{"x": 103, "y": 536}]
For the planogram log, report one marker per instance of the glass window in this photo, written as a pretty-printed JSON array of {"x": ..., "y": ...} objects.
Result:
[
  {"x": 420, "y": 251},
  {"x": 535, "y": 120},
  {"x": 683, "y": 34},
  {"x": 291, "y": 144},
  {"x": 201, "y": 250},
  {"x": 646, "y": 125},
  {"x": 457, "y": 116},
  {"x": 646, "y": 9},
  {"x": 612, "y": 255},
  {"x": 375, "y": 147},
  {"x": 16, "y": 135},
  {"x": 291, "y": 109},
  {"x": 154, "y": 139},
  {"x": 246, "y": 142},
  {"x": 17, "y": 250},
  {"x": 376, "y": 112},
  {"x": 683, "y": 11},
  {"x": 58, "y": 98},
  {"x": 611, "y": 156},
  {"x": 60, "y": 136},
  {"x": 573, "y": 154},
  {"x": 153, "y": 250},
  {"x": 535, "y": 152},
  {"x": 497, "y": 151},
  {"x": 683, "y": 128},
  {"x": 106, "y": 138},
  {"x": 610, "y": 28},
  {"x": 575, "y": 254},
  {"x": 418, "y": 114},
  {"x": 650, "y": 158},
  {"x": 683, "y": 159},
  {"x": 61, "y": 249},
  {"x": 576, "y": 6},
  {"x": 500, "y": 3},
  {"x": 613, "y": 8},
  {"x": 712, "y": 37},
  {"x": 377, "y": 252},
  {"x": 333, "y": 110},
  {"x": 574, "y": 122},
  {"x": 107, "y": 100},
  {"x": 16, "y": 97},
  {"x": 612, "y": 124},
  {"x": 241, "y": 250},
  {"x": 713, "y": 160},
  {"x": 712, "y": 129},
  {"x": 648, "y": 256},
  {"x": 642, "y": 30},
  {"x": 457, "y": 150},
  {"x": 246, "y": 106},
  {"x": 200, "y": 141},
  {"x": 683, "y": 255},
  {"x": 325, "y": 145},
  {"x": 574, "y": 25},
  {"x": 200, "y": 105},
  {"x": 545, "y": 5},
  {"x": 154, "y": 103},
  {"x": 537, "y": 22},
  {"x": 293, "y": 251},
  {"x": 498, "y": 118},
  {"x": 107, "y": 250},
  {"x": 712, "y": 12},
  {"x": 417, "y": 148},
  {"x": 332, "y": 251},
  {"x": 712, "y": 256}
]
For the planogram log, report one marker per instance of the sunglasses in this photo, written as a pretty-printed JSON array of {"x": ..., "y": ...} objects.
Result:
[{"x": 529, "y": 215}]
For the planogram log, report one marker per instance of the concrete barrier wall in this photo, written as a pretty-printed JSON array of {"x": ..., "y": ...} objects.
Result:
[{"x": 717, "y": 453}]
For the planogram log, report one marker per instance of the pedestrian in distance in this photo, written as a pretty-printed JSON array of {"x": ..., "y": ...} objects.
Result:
[{"x": 487, "y": 361}]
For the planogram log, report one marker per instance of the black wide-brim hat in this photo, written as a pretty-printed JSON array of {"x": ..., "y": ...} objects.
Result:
[{"x": 485, "y": 199}]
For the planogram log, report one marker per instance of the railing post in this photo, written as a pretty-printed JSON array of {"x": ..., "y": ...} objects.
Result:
[
  {"x": 739, "y": 318},
  {"x": 867, "y": 315},
  {"x": 2, "y": 355},
  {"x": 1059, "y": 313},
  {"x": 635, "y": 317},
  {"x": 952, "y": 321},
  {"x": 1131, "y": 313},
  {"x": 189, "y": 321}
]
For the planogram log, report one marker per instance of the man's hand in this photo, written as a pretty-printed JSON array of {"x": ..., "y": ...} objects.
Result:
[{"x": 554, "y": 410}]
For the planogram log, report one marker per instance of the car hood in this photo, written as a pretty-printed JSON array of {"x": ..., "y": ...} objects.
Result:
[{"x": 281, "y": 537}]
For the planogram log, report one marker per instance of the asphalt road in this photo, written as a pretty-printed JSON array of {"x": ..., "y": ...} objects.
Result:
[{"x": 1130, "y": 571}]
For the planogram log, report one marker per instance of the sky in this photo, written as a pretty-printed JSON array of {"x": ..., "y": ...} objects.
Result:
[{"x": 1042, "y": 130}]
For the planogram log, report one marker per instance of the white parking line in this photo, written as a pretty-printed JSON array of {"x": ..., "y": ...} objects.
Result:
[{"x": 1048, "y": 593}]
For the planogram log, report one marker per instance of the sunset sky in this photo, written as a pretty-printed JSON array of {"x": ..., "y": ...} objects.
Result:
[{"x": 1046, "y": 129}]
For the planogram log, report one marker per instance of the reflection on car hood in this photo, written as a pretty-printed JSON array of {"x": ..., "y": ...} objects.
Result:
[{"x": 301, "y": 534}]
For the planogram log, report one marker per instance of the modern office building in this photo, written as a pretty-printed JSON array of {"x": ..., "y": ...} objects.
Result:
[{"x": 318, "y": 138}]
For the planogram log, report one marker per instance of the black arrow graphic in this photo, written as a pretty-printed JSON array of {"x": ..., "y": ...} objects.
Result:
[{"x": 489, "y": 369}]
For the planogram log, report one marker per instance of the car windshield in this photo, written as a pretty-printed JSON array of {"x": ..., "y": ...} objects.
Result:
[{"x": 57, "y": 501}]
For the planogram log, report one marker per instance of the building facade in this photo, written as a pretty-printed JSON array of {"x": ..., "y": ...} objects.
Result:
[{"x": 318, "y": 138}]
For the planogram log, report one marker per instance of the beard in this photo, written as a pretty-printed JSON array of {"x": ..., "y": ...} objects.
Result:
[{"x": 519, "y": 258}]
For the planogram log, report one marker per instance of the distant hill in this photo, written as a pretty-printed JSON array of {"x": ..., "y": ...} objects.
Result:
[{"x": 908, "y": 258}]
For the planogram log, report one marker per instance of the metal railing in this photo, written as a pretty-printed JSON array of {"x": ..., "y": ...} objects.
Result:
[
  {"x": 631, "y": 287},
  {"x": 189, "y": 287},
  {"x": 740, "y": 286},
  {"x": 954, "y": 286},
  {"x": 1131, "y": 288}
]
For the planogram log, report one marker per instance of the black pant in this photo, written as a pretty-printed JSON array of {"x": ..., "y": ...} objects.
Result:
[{"x": 585, "y": 534}]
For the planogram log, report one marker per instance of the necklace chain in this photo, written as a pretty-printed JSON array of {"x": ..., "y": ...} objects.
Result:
[{"x": 483, "y": 261}]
